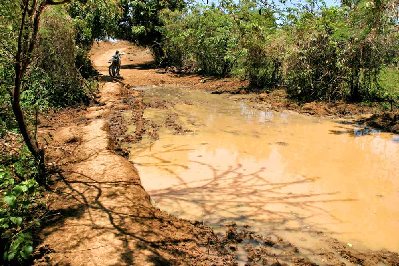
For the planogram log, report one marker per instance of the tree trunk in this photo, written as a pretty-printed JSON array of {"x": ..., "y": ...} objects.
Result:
[
  {"x": 19, "y": 116},
  {"x": 20, "y": 66},
  {"x": 355, "y": 90},
  {"x": 23, "y": 58}
]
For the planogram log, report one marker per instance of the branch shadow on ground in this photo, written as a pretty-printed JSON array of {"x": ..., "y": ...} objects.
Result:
[
  {"x": 227, "y": 195},
  {"x": 137, "y": 226},
  {"x": 231, "y": 193},
  {"x": 143, "y": 66}
]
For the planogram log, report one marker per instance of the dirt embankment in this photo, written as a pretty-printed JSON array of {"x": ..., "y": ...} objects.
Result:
[
  {"x": 366, "y": 115},
  {"x": 99, "y": 214}
]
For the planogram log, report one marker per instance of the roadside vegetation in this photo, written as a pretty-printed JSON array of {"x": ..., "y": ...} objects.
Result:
[
  {"x": 44, "y": 65},
  {"x": 347, "y": 52},
  {"x": 316, "y": 52}
]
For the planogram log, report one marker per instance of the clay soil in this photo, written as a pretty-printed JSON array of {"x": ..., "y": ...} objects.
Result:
[{"x": 99, "y": 214}]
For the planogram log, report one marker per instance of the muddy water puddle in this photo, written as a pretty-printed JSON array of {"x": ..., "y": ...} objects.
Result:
[{"x": 291, "y": 174}]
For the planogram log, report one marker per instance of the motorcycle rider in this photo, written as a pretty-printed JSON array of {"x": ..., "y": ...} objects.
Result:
[{"x": 116, "y": 60}]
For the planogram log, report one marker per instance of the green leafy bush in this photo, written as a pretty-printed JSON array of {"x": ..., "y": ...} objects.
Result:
[
  {"x": 55, "y": 78},
  {"x": 264, "y": 47},
  {"x": 203, "y": 40},
  {"x": 8, "y": 15},
  {"x": 140, "y": 23},
  {"x": 21, "y": 207},
  {"x": 316, "y": 52},
  {"x": 312, "y": 72},
  {"x": 94, "y": 20},
  {"x": 340, "y": 52}
]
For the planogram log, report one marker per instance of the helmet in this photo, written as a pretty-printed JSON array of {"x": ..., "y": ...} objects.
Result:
[{"x": 117, "y": 52}]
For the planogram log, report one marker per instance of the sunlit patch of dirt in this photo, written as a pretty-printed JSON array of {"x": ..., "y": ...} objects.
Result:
[{"x": 277, "y": 100}]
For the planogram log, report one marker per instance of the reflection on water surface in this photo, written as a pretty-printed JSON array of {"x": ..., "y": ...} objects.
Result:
[{"x": 273, "y": 171}]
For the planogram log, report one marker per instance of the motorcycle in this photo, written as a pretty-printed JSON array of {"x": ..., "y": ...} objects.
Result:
[{"x": 114, "y": 68}]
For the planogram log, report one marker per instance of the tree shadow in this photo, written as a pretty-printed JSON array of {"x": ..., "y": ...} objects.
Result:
[
  {"x": 107, "y": 78},
  {"x": 232, "y": 194},
  {"x": 134, "y": 222},
  {"x": 142, "y": 66}
]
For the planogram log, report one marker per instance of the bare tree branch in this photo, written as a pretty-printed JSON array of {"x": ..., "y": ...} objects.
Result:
[
  {"x": 19, "y": 116},
  {"x": 35, "y": 30}
]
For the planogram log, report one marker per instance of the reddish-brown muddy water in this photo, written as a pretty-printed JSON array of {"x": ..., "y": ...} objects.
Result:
[{"x": 293, "y": 174}]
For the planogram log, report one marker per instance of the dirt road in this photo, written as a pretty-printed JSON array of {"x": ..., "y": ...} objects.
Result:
[{"x": 101, "y": 215}]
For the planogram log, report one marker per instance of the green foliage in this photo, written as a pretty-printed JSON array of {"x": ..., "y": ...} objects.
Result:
[
  {"x": 6, "y": 119},
  {"x": 8, "y": 24},
  {"x": 83, "y": 63},
  {"x": 389, "y": 80},
  {"x": 54, "y": 78},
  {"x": 345, "y": 60},
  {"x": 141, "y": 22},
  {"x": 388, "y": 87},
  {"x": 264, "y": 47},
  {"x": 94, "y": 20},
  {"x": 229, "y": 39},
  {"x": 263, "y": 66},
  {"x": 311, "y": 71},
  {"x": 314, "y": 68},
  {"x": 20, "y": 207},
  {"x": 204, "y": 39},
  {"x": 317, "y": 52}
]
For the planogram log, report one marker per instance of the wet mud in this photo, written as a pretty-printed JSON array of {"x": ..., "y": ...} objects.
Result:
[
  {"x": 164, "y": 169},
  {"x": 97, "y": 221}
]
